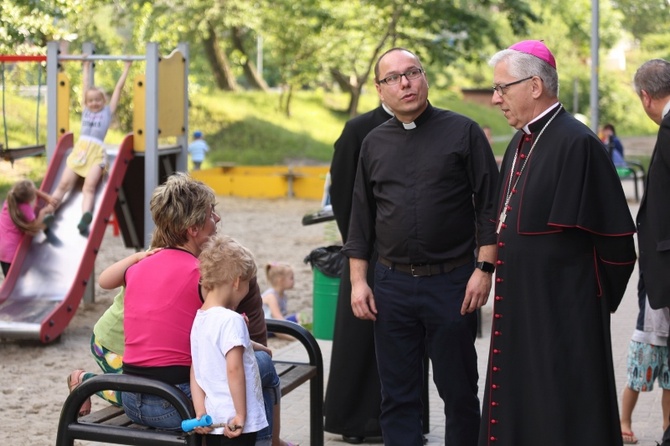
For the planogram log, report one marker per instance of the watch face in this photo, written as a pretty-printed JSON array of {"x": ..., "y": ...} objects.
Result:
[{"x": 486, "y": 267}]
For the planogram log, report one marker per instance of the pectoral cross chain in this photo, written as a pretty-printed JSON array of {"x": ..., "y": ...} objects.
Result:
[{"x": 501, "y": 220}]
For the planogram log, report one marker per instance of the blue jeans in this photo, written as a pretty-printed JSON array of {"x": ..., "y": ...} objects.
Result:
[
  {"x": 152, "y": 410},
  {"x": 271, "y": 394}
]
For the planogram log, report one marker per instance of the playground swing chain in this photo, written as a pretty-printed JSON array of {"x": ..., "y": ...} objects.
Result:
[{"x": 4, "y": 107}]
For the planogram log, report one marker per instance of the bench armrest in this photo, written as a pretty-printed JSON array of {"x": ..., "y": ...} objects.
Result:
[
  {"x": 316, "y": 381},
  {"x": 301, "y": 334},
  {"x": 123, "y": 383}
]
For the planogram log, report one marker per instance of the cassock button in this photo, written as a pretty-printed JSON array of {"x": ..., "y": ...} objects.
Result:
[
  {"x": 495, "y": 386},
  {"x": 499, "y": 262},
  {"x": 495, "y": 404},
  {"x": 497, "y": 315},
  {"x": 509, "y": 208},
  {"x": 517, "y": 173},
  {"x": 498, "y": 298},
  {"x": 499, "y": 279},
  {"x": 496, "y": 351},
  {"x": 497, "y": 333},
  {"x": 523, "y": 155},
  {"x": 496, "y": 369},
  {"x": 501, "y": 244},
  {"x": 514, "y": 191},
  {"x": 503, "y": 226},
  {"x": 494, "y": 421},
  {"x": 493, "y": 439}
]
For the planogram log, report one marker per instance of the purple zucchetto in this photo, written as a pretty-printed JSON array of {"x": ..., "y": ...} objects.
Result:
[{"x": 536, "y": 48}]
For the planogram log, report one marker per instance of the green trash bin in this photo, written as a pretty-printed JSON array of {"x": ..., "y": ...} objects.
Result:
[
  {"x": 325, "y": 304},
  {"x": 327, "y": 266}
]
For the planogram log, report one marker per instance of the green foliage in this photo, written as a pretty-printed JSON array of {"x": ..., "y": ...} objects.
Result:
[
  {"x": 306, "y": 42},
  {"x": 27, "y": 25},
  {"x": 247, "y": 128},
  {"x": 644, "y": 17}
]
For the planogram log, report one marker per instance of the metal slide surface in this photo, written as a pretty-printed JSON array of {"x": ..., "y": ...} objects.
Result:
[{"x": 49, "y": 274}]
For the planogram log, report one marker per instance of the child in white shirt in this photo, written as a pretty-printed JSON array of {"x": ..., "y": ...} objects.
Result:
[{"x": 220, "y": 342}]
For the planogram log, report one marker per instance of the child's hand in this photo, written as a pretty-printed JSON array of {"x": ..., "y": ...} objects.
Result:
[
  {"x": 260, "y": 347},
  {"x": 144, "y": 254},
  {"x": 234, "y": 427},
  {"x": 202, "y": 430}
]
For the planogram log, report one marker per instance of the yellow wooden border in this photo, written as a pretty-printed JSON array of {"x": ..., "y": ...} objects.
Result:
[{"x": 265, "y": 181}]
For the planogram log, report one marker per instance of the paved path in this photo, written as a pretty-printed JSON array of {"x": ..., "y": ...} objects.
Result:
[{"x": 646, "y": 417}]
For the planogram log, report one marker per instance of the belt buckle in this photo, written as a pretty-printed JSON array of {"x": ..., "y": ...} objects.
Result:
[{"x": 415, "y": 273}]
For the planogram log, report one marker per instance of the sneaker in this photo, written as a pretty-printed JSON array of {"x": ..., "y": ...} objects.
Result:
[
  {"x": 48, "y": 220},
  {"x": 84, "y": 222}
]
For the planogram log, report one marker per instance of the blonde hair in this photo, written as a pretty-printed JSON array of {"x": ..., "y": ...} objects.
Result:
[
  {"x": 223, "y": 260},
  {"x": 176, "y": 205},
  {"x": 22, "y": 192},
  {"x": 277, "y": 270},
  {"x": 95, "y": 89}
]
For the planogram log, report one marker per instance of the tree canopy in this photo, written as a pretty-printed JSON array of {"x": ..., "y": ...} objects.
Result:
[{"x": 308, "y": 44}]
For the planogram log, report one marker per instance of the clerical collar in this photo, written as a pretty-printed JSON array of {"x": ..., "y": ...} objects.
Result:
[
  {"x": 387, "y": 109},
  {"x": 666, "y": 109},
  {"x": 423, "y": 117},
  {"x": 527, "y": 128}
]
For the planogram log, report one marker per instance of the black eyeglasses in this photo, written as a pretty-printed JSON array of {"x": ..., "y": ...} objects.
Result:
[
  {"x": 500, "y": 88},
  {"x": 394, "y": 79}
]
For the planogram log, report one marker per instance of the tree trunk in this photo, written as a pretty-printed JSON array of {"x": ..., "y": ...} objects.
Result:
[
  {"x": 288, "y": 101},
  {"x": 218, "y": 60},
  {"x": 341, "y": 80},
  {"x": 353, "y": 101},
  {"x": 354, "y": 84},
  {"x": 285, "y": 99},
  {"x": 254, "y": 78}
]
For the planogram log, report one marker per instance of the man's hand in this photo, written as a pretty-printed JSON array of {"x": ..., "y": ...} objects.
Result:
[
  {"x": 477, "y": 291},
  {"x": 363, "y": 301}
]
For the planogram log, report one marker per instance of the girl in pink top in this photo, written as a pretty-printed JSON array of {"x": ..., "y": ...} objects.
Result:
[{"x": 18, "y": 218}]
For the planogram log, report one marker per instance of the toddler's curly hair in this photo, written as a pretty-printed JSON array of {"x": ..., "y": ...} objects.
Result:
[{"x": 223, "y": 260}]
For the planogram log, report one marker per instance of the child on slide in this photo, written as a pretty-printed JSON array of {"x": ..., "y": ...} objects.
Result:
[{"x": 87, "y": 159}]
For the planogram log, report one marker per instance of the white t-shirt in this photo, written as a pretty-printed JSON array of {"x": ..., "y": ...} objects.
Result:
[{"x": 214, "y": 333}]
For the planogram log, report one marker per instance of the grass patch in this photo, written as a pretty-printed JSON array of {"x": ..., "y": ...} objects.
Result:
[{"x": 248, "y": 128}]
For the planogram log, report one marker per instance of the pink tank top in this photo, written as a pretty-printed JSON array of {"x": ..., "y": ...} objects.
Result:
[{"x": 162, "y": 298}]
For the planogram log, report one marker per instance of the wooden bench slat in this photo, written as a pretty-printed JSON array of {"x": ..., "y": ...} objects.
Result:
[
  {"x": 102, "y": 415},
  {"x": 296, "y": 376}
]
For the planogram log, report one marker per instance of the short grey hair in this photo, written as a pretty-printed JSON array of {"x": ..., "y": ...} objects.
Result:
[
  {"x": 654, "y": 78},
  {"x": 521, "y": 65}
]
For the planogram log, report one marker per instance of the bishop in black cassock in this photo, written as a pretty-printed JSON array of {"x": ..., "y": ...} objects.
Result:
[{"x": 565, "y": 254}]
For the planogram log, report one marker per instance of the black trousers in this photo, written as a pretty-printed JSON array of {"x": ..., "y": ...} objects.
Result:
[{"x": 415, "y": 315}]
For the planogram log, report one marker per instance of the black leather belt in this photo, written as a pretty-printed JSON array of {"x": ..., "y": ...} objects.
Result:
[{"x": 426, "y": 269}]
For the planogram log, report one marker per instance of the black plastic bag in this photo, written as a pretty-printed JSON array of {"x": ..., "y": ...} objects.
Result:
[{"x": 328, "y": 260}]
